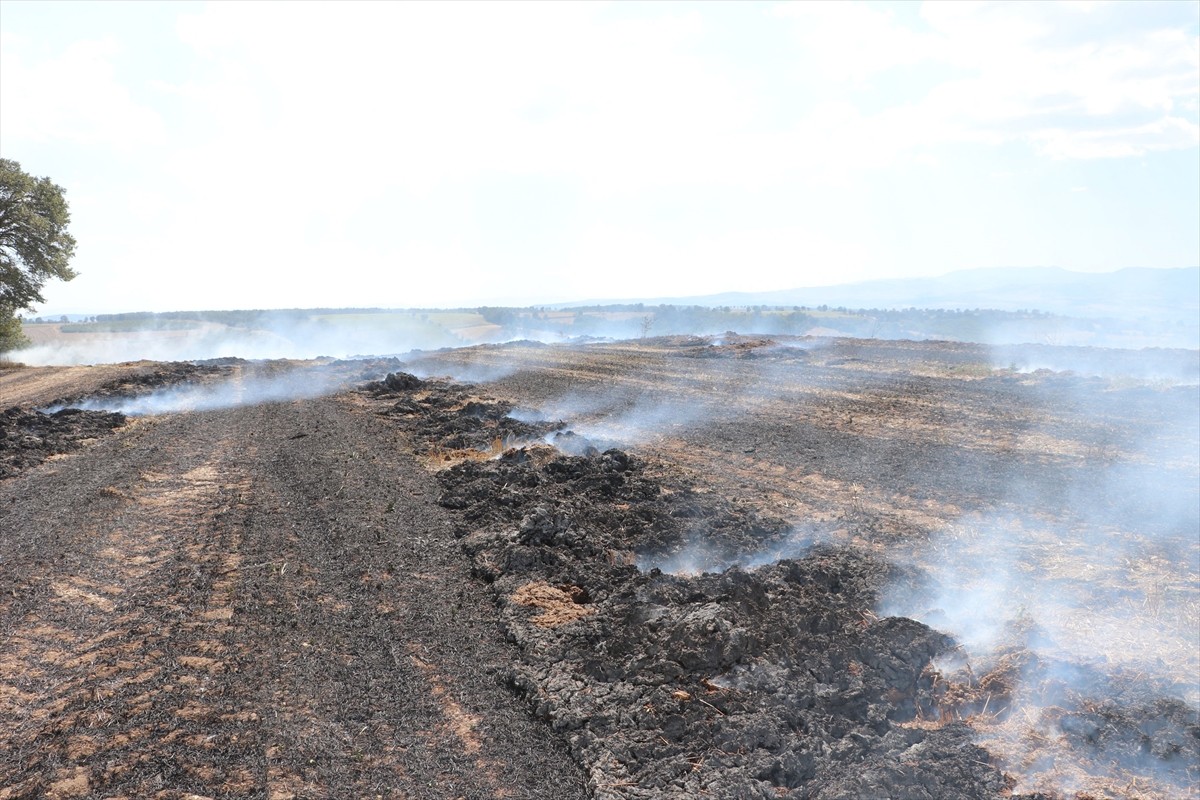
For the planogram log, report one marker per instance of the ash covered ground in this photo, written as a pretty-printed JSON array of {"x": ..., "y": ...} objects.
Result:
[{"x": 734, "y": 567}]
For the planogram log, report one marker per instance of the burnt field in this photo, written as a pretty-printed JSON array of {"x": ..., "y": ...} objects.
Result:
[{"x": 676, "y": 567}]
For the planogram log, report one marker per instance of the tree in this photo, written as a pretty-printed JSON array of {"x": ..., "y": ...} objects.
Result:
[
  {"x": 34, "y": 243},
  {"x": 647, "y": 324},
  {"x": 11, "y": 336}
]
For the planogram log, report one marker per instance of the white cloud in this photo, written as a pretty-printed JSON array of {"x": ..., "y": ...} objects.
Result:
[
  {"x": 617, "y": 262},
  {"x": 850, "y": 42},
  {"x": 73, "y": 96},
  {"x": 433, "y": 92},
  {"x": 1020, "y": 72},
  {"x": 1168, "y": 133}
]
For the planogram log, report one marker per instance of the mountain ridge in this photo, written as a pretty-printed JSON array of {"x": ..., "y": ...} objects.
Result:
[{"x": 1128, "y": 293}]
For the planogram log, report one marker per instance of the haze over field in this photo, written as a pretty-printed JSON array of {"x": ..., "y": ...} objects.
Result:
[
  {"x": 275, "y": 155},
  {"x": 637, "y": 400},
  {"x": 1052, "y": 310}
]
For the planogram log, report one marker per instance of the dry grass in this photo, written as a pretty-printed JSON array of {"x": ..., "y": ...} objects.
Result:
[
  {"x": 1033, "y": 750},
  {"x": 560, "y": 605},
  {"x": 443, "y": 458}
]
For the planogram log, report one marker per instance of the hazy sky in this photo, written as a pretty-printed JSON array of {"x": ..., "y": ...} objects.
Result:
[{"x": 259, "y": 155}]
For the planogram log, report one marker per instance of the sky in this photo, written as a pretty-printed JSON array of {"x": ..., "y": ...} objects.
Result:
[{"x": 277, "y": 155}]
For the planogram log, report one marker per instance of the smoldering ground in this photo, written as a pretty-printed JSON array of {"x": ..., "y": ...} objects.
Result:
[
  {"x": 1076, "y": 602},
  {"x": 179, "y": 387},
  {"x": 1155, "y": 366},
  {"x": 234, "y": 392},
  {"x": 1067, "y": 487},
  {"x": 1071, "y": 565}
]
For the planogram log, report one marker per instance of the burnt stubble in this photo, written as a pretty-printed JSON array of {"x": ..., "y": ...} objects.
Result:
[{"x": 675, "y": 567}]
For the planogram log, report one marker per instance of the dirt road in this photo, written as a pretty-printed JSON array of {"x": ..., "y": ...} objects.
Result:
[{"x": 257, "y": 602}]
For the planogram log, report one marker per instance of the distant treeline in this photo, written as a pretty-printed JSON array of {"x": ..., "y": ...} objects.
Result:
[
  {"x": 129, "y": 326},
  {"x": 639, "y": 319},
  {"x": 636, "y": 319},
  {"x": 246, "y": 318},
  {"x": 632, "y": 320}
]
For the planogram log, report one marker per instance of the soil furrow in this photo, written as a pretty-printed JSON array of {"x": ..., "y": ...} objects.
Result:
[{"x": 259, "y": 602}]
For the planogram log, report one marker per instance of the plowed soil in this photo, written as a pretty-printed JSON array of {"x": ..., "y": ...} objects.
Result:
[
  {"x": 262, "y": 601},
  {"x": 668, "y": 568}
]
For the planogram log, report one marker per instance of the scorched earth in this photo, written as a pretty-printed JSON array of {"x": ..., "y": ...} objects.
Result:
[{"x": 677, "y": 567}]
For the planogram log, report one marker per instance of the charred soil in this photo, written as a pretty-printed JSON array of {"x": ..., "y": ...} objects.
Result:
[
  {"x": 263, "y": 601},
  {"x": 669, "y": 568}
]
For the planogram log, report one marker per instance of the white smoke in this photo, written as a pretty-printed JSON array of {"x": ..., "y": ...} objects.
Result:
[
  {"x": 699, "y": 556},
  {"x": 1088, "y": 581},
  {"x": 237, "y": 391},
  {"x": 1153, "y": 366},
  {"x": 276, "y": 336}
]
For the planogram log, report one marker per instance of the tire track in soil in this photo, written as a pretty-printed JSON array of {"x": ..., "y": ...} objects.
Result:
[
  {"x": 112, "y": 670},
  {"x": 345, "y": 591},
  {"x": 260, "y": 602}
]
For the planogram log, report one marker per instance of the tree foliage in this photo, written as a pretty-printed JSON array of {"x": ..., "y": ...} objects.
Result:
[
  {"x": 11, "y": 336},
  {"x": 34, "y": 243}
]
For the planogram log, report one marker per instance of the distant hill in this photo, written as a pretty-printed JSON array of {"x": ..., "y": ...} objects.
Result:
[{"x": 1133, "y": 293}]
